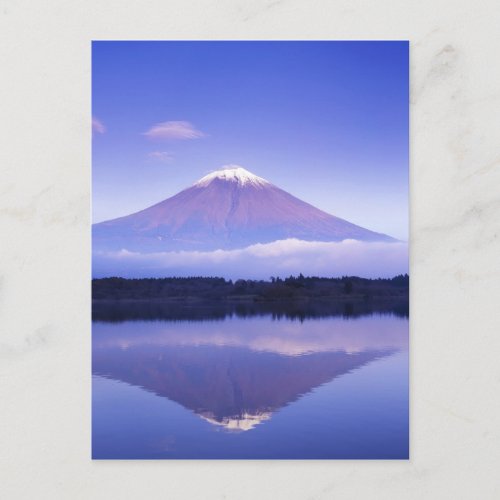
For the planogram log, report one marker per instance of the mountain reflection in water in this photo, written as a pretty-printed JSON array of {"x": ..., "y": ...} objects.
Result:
[{"x": 237, "y": 373}]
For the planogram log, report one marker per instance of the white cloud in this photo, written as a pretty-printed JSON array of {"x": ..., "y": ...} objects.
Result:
[
  {"x": 97, "y": 126},
  {"x": 174, "y": 131},
  {"x": 161, "y": 156},
  {"x": 280, "y": 258}
]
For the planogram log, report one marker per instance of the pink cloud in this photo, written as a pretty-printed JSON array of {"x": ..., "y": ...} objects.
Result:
[
  {"x": 174, "y": 131},
  {"x": 97, "y": 126},
  {"x": 162, "y": 156}
]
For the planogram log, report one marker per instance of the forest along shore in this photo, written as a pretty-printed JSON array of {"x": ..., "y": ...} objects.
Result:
[
  {"x": 208, "y": 288},
  {"x": 118, "y": 299}
]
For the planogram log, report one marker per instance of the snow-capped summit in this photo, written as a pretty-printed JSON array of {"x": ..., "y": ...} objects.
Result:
[
  {"x": 233, "y": 173},
  {"x": 227, "y": 209}
]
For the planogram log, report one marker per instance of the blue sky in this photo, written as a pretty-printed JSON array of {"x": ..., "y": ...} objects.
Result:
[{"x": 326, "y": 121}]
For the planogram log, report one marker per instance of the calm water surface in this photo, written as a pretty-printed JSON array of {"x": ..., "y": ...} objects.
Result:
[{"x": 251, "y": 387}]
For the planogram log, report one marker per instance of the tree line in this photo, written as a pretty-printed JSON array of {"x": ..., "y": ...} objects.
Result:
[{"x": 276, "y": 288}]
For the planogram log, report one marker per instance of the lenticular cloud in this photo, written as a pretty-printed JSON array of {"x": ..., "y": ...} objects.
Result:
[
  {"x": 174, "y": 130},
  {"x": 260, "y": 261}
]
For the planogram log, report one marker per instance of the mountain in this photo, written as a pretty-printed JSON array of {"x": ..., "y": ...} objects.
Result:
[{"x": 227, "y": 209}]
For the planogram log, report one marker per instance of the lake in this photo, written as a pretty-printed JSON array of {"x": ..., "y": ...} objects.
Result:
[{"x": 249, "y": 386}]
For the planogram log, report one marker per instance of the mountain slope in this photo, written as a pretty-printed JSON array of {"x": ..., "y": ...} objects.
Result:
[{"x": 227, "y": 209}]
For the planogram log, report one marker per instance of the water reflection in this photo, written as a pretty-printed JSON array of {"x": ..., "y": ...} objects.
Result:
[
  {"x": 120, "y": 311},
  {"x": 238, "y": 372}
]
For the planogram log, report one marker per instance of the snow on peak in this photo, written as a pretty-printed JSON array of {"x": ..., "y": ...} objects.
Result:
[{"x": 233, "y": 173}]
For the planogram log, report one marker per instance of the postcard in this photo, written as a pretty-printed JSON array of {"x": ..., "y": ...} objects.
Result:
[{"x": 250, "y": 250}]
